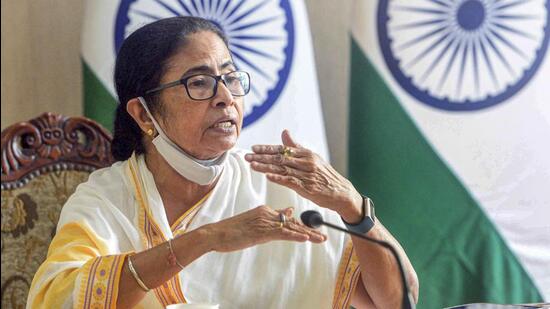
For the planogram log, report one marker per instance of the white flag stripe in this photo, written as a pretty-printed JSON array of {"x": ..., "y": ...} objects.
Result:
[
  {"x": 97, "y": 40},
  {"x": 500, "y": 154},
  {"x": 299, "y": 109}
]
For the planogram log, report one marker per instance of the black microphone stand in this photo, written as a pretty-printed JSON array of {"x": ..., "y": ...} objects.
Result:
[{"x": 408, "y": 302}]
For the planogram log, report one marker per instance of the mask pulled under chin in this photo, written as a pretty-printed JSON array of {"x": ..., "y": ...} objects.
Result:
[{"x": 203, "y": 172}]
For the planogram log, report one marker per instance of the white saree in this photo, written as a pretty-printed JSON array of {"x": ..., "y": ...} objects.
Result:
[{"x": 119, "y": 211}]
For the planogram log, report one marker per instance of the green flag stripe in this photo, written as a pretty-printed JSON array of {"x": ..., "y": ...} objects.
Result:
[
  {"x": 458, "y": 254},
  {"x": 99, "y": 104}
]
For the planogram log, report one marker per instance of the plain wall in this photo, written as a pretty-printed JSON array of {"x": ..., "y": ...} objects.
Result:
[
  {"x": 41, "y": 68},
  {"x": 40, "y": 58}
]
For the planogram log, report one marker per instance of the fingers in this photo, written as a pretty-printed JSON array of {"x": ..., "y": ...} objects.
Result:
[
  {"x": 287, "y": 181},
  {"x": 291, "y": 229},
  {"x": 277, "y": 169},
  {"x": 290, "y": 235},
  {"x": 279, "y": 159},
  {"x": 258, "y": 226},
  {"x": 290, "y": 155},
  {"x": 294, "y": 228},
  {"x": 278, "y": 150},
  {"x": 268, "y": 226},
  {"x": 314, "y": 235},
  {"x": 289, "y": 211},
  {"x": 288, "y": 140}
]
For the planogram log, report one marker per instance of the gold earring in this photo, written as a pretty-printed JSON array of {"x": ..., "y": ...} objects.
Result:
[{"x": 150, "y": 132}]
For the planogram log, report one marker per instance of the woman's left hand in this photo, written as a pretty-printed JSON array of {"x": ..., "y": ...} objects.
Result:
[{"x": 303, "y": 171}]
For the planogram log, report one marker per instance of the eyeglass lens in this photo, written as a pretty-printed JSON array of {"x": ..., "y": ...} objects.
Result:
[{"x": 203, "y": 86}]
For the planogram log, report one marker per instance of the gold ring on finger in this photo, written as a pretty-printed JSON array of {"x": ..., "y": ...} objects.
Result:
[
  {"x": 287, "y": 152},
  {"x": 282, "y": 220}
]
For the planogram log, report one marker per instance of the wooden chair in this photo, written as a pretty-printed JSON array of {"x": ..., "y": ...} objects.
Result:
[{"x": 43, "y": 161}]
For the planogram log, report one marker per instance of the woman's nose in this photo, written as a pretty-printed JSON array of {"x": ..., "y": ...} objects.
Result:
[{"x": 223, "y": 96}]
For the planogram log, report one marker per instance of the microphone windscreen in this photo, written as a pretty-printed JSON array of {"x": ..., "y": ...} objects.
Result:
[{"x": 312, "y": 218}]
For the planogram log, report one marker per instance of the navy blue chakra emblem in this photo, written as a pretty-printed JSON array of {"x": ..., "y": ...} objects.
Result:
[
  {"x": 261, "y": 38},
  {"x": 463, "y": 55}
]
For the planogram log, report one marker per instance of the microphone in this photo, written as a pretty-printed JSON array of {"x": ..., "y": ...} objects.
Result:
[{"x": 314, "y": 219}]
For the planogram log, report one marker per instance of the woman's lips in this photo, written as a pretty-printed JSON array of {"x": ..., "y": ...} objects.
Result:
[
  {"x": 223, "y": 124},
  {"x": 224, "y": 127}
]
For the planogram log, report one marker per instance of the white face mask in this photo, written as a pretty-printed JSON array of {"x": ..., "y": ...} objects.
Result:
[{"x": 203, "y": 172}]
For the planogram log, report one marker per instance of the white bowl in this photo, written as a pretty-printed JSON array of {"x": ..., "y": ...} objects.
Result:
[{"x": 193, "y": 306}]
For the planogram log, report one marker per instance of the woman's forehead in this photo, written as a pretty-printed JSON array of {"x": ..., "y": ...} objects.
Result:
[{"x": 202, "y": 49}]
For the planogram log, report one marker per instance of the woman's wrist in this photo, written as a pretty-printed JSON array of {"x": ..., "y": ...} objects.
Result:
[
  {"x": 352, "y": 212},
  {"x": 197, "y": 243},
  {"x": 208, "y": 237}
]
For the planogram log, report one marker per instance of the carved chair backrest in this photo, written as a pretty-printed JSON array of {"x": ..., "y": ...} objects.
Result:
[{"x": 43, "y": 160}]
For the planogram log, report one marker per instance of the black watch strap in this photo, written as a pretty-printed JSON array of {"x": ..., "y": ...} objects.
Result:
[{"x": 367, "y": 223}]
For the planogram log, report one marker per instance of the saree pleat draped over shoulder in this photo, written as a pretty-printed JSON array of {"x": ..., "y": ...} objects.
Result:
[{"x": 119, "y": 211}]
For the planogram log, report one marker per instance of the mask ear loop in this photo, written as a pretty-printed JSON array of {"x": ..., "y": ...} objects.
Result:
[
  {"x": 155, "y": 123},
  {"x": 151, "y": 132},
  {"x": 161, "y": 133}
]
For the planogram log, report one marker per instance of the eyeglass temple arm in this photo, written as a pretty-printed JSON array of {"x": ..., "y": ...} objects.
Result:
[{"x": 162, "y": 87}]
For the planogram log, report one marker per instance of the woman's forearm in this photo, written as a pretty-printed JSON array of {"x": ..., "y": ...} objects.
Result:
[
  {"x": 154, "y": 268},
  {"x": 380, "y": 271},
  {"x": 250, "y": 228}
]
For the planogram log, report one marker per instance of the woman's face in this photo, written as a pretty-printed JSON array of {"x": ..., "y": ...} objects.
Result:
[{"x": 204, "y": 129}]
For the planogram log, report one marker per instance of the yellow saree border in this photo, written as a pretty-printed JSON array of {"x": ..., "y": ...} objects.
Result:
[
  {"x": 151, "y": 235},
  {"x": 74, "y": 242},
  {"x": 347, "y": 278},
  {"x": 190, "y": 213},
  {"x": 100, "y": 282}
]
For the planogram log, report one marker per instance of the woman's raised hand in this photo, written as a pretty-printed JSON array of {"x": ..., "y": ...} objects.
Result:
[
  {"x": 257, "y": 226},
  {"x": 303, "y": 171}
]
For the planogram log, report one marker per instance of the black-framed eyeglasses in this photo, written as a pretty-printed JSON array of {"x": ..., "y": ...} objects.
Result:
[{"x": 205, "y": 86}]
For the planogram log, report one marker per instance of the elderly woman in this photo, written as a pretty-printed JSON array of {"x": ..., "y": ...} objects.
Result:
[{"x": 184, "y": 217}]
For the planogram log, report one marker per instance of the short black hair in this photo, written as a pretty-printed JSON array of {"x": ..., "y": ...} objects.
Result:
[{"x": 140, "y": 65}]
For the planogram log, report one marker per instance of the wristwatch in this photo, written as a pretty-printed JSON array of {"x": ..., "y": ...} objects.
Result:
[{"x": 368, "y": 221}]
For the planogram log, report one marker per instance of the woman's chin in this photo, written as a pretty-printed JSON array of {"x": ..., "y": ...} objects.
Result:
[{"x": 220, "y": 146}]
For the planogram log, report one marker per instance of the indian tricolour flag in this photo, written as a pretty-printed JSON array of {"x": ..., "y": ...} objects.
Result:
[
  {"x": 450, "y": 136},
  {"x": 270, "y": 39}
]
